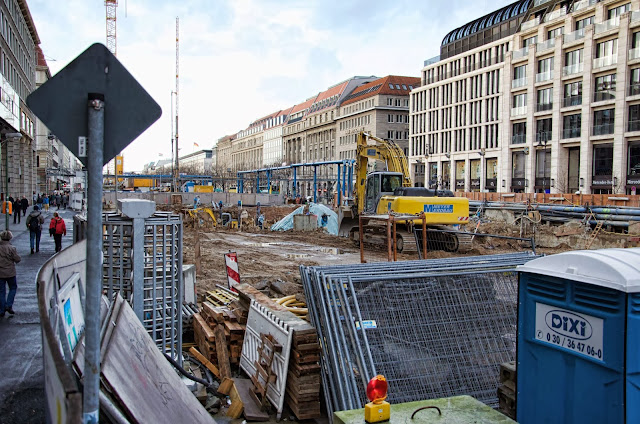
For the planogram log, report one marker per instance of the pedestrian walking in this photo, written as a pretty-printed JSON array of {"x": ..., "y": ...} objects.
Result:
[
  {"x": 39, "y": 201},
  {"x": 17, "y": 206},
  {"x": 57, "y": 229},
  {"x": 58, "y": 200},
  {"x": 34, "y": 224},
  {"x": 45, "y": 202},
  {"x": 25, "y": 205},
  {"x": 8, "y": 259}
]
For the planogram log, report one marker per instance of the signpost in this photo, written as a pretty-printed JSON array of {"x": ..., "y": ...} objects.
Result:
[{"x": 96, "y": 108}]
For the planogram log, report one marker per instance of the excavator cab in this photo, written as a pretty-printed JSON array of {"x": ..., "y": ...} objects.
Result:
[{"x": 380, "y": 184}]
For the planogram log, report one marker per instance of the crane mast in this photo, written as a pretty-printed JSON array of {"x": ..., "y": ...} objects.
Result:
[{"x": 176, "y": 168}]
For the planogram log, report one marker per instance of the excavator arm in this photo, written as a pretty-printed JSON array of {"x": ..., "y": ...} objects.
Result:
[{"x": 373, "y": 148}]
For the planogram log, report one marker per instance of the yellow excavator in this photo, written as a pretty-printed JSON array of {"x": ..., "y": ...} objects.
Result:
[{"x": 379, "y": 192}]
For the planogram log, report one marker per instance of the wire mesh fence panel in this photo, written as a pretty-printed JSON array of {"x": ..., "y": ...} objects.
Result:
[{"x": 441, "y": 336}]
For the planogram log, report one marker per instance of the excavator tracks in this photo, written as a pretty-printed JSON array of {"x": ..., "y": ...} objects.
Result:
[{"x": 439, "y": 237}]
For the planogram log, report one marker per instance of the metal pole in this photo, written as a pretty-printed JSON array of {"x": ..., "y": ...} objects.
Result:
[
  {"x": 339, "y": 190},
  {"x": 6, "y": 187},
  {"x": 295, "y": 177},
  {"x": 91, "y": 391},
  {"x": 315, "y": 184}
]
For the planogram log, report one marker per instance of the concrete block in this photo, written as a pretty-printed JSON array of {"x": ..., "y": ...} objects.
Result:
[
  {"x": 305, "y": 222},
  {"x": 136, "y": 208},
  {"x": 189, "y": 279}
]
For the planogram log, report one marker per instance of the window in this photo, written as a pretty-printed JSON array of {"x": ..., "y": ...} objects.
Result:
[
  {"x": 519, "y": 133},
  {"x": 617, "y": 11},
  {"x": 573, "y": 62},
  {"x": 543, "y": 130},
  {"x": 573, "y": 94},
  {"x": 634, "y": 159},
  {"x": 519, "y": 160},
  {"x": 571, "y": 125},
  {"x": 607, "y": 48},
  {"x": 529, "y": 41},
  {"x": 605, "y": 88},
  {"x": 635, "y": 40},
  {"x": 584, "y": 22},
  {"x": 603, "y": 121},
  {"x": 520, "y": 72},
  {"x": 634, "y": 118},
  {"x": 634, "y": 83},
  {"x": 545, "y": 101},
  {"x": 520, "y": 100},
  {"x": 553, "y": 33},
  {"x": 603, "y": 160},
  {"x": 545, "y": 69}
]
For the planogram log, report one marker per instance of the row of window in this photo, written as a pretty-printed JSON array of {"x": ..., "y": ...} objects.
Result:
[{"x": 355, "y": 122}]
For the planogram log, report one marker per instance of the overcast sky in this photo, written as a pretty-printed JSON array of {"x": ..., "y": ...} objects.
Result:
[{"x": 243, "y": 59}]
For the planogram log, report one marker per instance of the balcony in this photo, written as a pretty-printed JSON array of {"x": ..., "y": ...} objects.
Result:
[
  {"x": 573, "y": 36},
  {"x": 529, "y": 24},
  {"x": 517, "y": 111},
  {"x": 518, "y": 82},
  {"x": 555, "y": 14},
  {"x": 612, "y": 23},
  {"x": 602, "y": 96},
  {"x": 543, "y": 137},
  {"x": 600, "y": 62},
  {"x": 572, "y": 101},
  {"x": 634, "y": 53},
  {"x": 634, "y": 125},
  {"x": 518, "y": 139},
  {"x": 634, "y": 88},
  {"x": 635, "y": 16},
  {"x": 431, "y": 61},
  {"x": 583, "y": 4},
  {"x": 520, "y": 53},
  {"x": 545, "y": 45},
  {"x": 603, "y": 129},
  {"x": 571, "y": 133},
  {"x": 541, "y": 107},
  {"x": 572, "y": 69},
  {"x": 537, "y": 3},
  {"x": 544, "y": 76}
]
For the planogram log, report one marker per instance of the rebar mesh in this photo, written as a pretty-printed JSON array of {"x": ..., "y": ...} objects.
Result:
[{"x": 434, "y": 328}]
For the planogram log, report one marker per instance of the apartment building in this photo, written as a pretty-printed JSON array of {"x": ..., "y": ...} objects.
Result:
[
  {"x": 455, "y": 116},
  {"x": 568, "y": 105},
  {"x": 380, "y": 108},
  {"x": 273, "y": 141},
  {"x": 18, "y": 41}
]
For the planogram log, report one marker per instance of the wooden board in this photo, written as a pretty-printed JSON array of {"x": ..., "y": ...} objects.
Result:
[
  {"x": 199, "y": 324},
  {"x": 252, "y": 411},
  {"x": 221, "y": 351},
  {"x": 205, "y": 361},
  {"x": 143, "y": 380}
]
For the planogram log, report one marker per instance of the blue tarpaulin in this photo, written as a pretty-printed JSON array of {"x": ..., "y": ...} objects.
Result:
[{"x": 331, "y": 224}]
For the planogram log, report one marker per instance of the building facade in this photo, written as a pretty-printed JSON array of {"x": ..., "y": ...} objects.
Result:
[
  {"x": 18, "y": 41},
  {"x": 567, "y": 108}
]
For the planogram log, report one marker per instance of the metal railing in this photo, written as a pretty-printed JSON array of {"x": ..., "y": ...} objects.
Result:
[
  {"x": 573, "y": 36},
  {"x": 529, "y": 24},
  {"x": 583, "y": 4},
  {"x": 555, "y": 14},
  {"x": 571, "y": 133},
  {"x": 603, "y": 129},
  {"x": 635, "y": 16},
  {"x": 520, "y": 53},
  {"x": 518, "y": 139},
  {"x": 572, "y": 101},
  {"x": 634, "y": 88},
  {"x": 545, "y": 45},
  {"x": 612, "y": 23},
  {"x": 601, "y": 96},
  {"x": 518, "y": 82},
  {"x": 537, "y": 3},
  {"x": 634, "y": 53},
  {"x": 572, "y": 69},
  {"x": 517, "y": 111},
  {"x": 541, "y": 107},
  {"x": 544, "y": 76},
  {"x": 600, "y": 62},
  {"x": 543, "y": 137},
  {"x": 634, "y": 125}
]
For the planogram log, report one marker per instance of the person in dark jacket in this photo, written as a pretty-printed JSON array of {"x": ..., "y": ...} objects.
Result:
[
  {"x": 35, "y": 228},
  {"x": 25, "y": 205},
  {"x": 8, "y": 259},
  {"x": 57, "y": 229},
  {"x": 17, "y": 205}
]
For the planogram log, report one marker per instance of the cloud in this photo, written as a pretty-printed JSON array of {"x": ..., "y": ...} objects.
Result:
[{"x": 243, "y": 59}]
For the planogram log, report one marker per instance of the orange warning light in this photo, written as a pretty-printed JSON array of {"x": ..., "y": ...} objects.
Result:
[{"x": 377, "y": 389}]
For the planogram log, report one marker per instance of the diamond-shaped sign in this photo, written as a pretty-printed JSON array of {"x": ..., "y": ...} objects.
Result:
[{"x": 61, "y": 102}]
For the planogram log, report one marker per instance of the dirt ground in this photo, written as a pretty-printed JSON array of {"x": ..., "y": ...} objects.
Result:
[{"x": 270, "y": 260}]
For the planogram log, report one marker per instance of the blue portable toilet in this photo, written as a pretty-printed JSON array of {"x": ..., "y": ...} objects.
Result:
[{"x": 578, "y": 352}]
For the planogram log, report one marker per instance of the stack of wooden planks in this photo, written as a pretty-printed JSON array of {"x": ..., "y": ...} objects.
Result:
[
  {"x": 219, "y": 336},
  {"x": 507, "y": 389},
  {"x": 303, "y": 378}
]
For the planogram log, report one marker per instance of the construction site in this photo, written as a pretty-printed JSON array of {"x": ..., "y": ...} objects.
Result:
[{"x": 392, "y": 300}]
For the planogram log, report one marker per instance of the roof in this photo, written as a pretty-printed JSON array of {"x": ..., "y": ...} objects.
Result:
[
  {"x": 389, "y": 85},
  {"x": 487, "y": 21},
  {"x": 41, "y": 61},
  {"x": 302, "y": 106},
  {"x": 617, "y": 269}
]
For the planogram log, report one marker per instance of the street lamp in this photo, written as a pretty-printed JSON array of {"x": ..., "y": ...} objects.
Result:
[{"x": 542, "y": 141}]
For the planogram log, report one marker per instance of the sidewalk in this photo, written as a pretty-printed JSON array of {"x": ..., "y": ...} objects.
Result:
[{"x": 21, "y": 371}]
